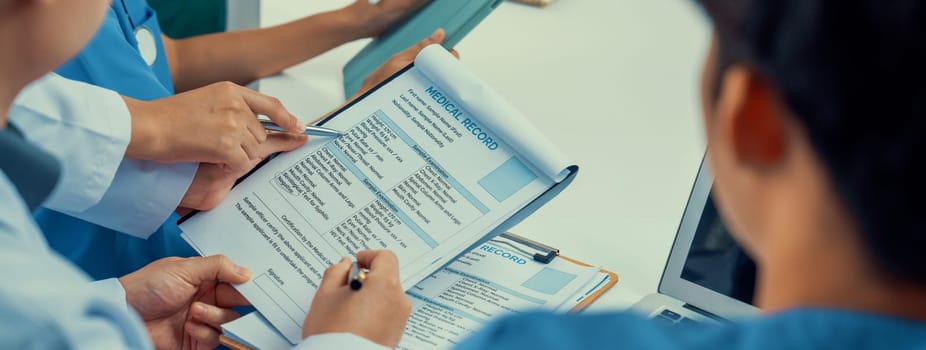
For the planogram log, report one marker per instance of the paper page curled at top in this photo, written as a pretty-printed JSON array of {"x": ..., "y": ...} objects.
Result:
[{"x": 493, "y": 111}]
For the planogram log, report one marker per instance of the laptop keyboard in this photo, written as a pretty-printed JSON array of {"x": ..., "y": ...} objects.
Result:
[{"x": 672, "y": 318}]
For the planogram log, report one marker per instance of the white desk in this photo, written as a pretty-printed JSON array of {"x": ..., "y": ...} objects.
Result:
[{"x": 613, "y": 82}]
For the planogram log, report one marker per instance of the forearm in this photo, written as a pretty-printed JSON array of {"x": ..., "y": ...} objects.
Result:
[{"x": 245, "y": 56}]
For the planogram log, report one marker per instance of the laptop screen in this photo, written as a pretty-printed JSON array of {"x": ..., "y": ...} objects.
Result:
[{"x": 715, "y": 261}]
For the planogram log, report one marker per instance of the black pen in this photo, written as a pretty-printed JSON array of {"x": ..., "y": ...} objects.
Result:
[{"x": 357, "y": 276}]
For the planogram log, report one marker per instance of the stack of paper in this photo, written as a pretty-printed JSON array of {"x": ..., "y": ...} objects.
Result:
[
  {"x": 431, "y": 163},
  {"x": 493, "y": 280}
]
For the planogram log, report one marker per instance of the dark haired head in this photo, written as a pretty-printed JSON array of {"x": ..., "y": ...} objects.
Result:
[{"x": 853, "y": 72}]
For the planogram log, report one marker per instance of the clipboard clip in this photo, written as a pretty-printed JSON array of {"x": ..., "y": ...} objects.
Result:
[{"x": 542, "y": 253}]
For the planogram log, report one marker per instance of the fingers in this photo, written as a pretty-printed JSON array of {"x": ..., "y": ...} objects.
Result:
[
  {"x": 336, "y": 275},
  {"x": 403, "y": 5},
  {"x": 218, "y": 267},
  {"x": 239, "y": 159},
  {"x": 281, "y": 142},
  {"x": 202, "y": 336},
  {"x": 399, "y": 60},
  {"x": 276, "y": 142},
  {"x": 228, "y": 296},
  {"x": 273, "y": 109},
  {"x": 237, "y": 97},
  {"x": 211, "y": 315},
  {"x": 380, "y": 262},
  {"x": 257, "y": 130},
  {"x": 405, "y": 57},
  {"x": 410, "y": 53},
  {"x": 250, "y": 145},
  {"x": 436, "y": 38}
]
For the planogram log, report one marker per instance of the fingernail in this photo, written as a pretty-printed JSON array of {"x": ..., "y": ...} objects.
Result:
[
  {"x": 199, "y": 309},
  {"x": 435, "y": 35},
  {"x": 343, "y": 259},
  {"x": 243, "y": 272}
]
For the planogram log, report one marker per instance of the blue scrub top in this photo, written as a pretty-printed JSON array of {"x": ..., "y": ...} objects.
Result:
[
  {"x": 112, "y": 60},
  {"x": 802, "y": 329}
]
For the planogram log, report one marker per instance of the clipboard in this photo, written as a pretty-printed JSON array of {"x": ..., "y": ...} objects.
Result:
[
  {"x": 541, "y": 255},
  {"x": 545, "y": 254},
  {"x": 598, "y": 290},
  {"x": 456, "y": 17},
  {"x": 521, "y": 214},
  {"x": 232, "y": 344},
  {"x": 513, "y": 220}
]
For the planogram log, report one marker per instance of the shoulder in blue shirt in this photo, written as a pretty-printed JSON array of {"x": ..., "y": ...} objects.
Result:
[{"x": 793, "y": 330}]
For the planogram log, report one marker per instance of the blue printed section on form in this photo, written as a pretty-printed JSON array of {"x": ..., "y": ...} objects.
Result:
[
  {"x": 431, "y": 162},
  {"x": 449, "y": 296},
  {"x": 379, "y": 194},
  {"x": 507, "y": 179},
  {"x": 549, "y": 281}
]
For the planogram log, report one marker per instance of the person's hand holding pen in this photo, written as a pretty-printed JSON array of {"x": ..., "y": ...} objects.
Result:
[
  {"x": 215, "y": 126},
  {"x": 377, "y": 312}
]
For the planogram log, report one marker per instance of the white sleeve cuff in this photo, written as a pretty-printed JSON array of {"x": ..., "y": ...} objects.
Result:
[
  {"x": 141, "y": 197},
  {"x": 86, "y": 127},
  {"x": 338, "y": 341},
  {"x": 113, "y": 291}
]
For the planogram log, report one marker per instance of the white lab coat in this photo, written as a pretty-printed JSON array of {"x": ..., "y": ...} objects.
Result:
[{"x": 88, "y": 129}]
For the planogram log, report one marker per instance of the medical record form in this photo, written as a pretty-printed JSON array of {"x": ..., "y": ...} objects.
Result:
[
  {"x": 432, "y": 163},
  {"x": 492, "y": 280}
]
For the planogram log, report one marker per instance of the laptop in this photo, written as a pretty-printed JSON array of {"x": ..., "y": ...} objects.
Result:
[{"x": 708, "y": 277}]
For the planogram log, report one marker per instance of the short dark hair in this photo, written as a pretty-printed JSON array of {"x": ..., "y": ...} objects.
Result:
[{"x": 853, "y": 72}]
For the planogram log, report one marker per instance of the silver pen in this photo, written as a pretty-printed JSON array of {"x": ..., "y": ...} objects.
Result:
[{"x": 309, "y": 129}]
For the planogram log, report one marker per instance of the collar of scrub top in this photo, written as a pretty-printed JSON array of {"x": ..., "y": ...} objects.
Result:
[
  {"x": 125, "y": 8},
  {"x": 144, "y": 37},
  {"x": 33, "y": 172}
]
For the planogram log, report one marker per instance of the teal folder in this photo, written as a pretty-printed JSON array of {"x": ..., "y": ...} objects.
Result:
[{"x": 456, "y": 17}]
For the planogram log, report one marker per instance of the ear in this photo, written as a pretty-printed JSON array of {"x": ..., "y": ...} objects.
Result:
[{"x": 750, "y": 117}]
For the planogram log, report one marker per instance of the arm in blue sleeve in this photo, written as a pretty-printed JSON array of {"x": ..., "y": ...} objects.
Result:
[
  {"x": 545, "y": 330},
  {"x": 46, "y": 302}
]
